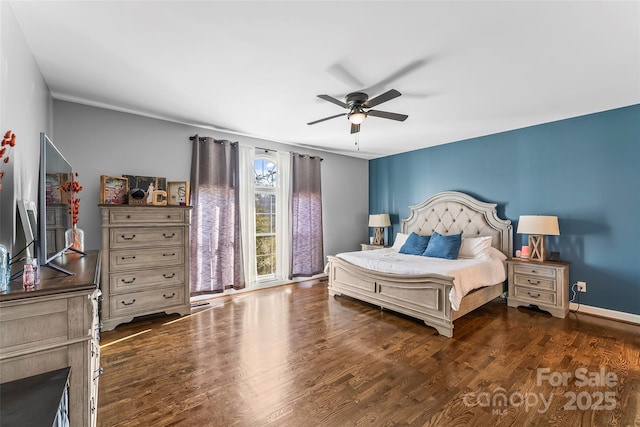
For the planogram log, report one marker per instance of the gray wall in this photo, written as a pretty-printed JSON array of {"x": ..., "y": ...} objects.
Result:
[
  {"x": 25, "y": 109},
  {"x": 105, "y": 142}
]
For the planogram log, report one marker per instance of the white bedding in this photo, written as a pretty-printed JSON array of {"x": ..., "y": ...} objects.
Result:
[{"x": 468, "y": 274}]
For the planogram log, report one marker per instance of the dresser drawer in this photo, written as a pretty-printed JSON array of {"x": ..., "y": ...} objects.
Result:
[
  {"x": 139, "y": 302},
  {"x": 534, "y": 296},
  {"x": 121, "y": 238},
  {"x": 535, "y": 270},
  {"x": 537, "y": 282},
  {"x": 146, "y": 215},
  {"x": 139, "y": 279},
  {"x": 127, "y": 259}
]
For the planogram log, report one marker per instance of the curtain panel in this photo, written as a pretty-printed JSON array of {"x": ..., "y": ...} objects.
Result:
[
  {"x": 216, "y": 249},
  {"x": 306, "y": 237}
]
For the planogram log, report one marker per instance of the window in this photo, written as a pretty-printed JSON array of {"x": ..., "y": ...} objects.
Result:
[{"x": 265, "y": 170}]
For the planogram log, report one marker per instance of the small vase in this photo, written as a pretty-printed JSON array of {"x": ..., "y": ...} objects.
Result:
[{"x": 74, "y": 238}]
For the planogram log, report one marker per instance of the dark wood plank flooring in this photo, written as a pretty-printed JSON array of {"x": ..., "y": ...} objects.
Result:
[{"x": 292, "y": 356}]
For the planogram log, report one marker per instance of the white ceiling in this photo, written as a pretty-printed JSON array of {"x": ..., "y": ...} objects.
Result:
[{"x": 465, "y": 69}]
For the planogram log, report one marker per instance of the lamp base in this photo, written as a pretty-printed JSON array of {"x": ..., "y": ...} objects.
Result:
[
  {"x": 378, "y": 236},
  {"x": 537, "y": 247}
]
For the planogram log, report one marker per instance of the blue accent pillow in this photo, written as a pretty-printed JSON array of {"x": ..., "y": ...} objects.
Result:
[
  {"x": 446, "y": 247},
  {"x": 415, "y": 245}
]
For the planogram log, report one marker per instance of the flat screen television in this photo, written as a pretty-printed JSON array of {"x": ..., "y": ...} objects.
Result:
[{"x": 54, "y": 215}]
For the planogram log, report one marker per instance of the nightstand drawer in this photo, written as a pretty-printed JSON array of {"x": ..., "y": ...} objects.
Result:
[
  {"x": 535, "y": 297},
  {"x": 535, "y": 270},
  {"x": 535, "y": 282}
]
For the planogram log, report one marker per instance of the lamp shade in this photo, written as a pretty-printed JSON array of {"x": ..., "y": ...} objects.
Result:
[
  {"x": 379, "y": 220},
  {"x": 538, "y": 224}
]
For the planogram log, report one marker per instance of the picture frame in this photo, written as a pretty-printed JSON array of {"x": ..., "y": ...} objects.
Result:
[
  {"x": 113, "y": 190},
  {"x": 143, "y": 182},
  {"x": 178, "y": 193}
]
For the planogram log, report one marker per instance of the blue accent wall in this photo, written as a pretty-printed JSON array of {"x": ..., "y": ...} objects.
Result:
[{"x": 585, "y": 170}]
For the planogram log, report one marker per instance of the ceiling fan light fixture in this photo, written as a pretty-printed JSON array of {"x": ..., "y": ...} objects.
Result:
[{"x": 357, "y": 117}]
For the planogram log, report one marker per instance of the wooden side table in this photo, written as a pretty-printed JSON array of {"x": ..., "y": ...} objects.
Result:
[{"x": 541, "y": 284}]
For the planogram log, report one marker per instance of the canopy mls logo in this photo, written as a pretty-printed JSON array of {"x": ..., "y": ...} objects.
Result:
[{"x": 499, "y": 400}]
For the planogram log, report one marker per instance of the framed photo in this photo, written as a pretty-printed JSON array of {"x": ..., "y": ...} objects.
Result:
[
  {"x": 178, "y": 193},
  {"x": 146, "y": 182},
  {"x": 113, "y": 190}
]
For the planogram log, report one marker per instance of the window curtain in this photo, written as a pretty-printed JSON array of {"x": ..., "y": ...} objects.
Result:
[
  {"x": 283, "y": 216},
  {"x": 248, "y": 214},
  {"x": 306, "y": 237},
  {"x": 216, "y": 251}
]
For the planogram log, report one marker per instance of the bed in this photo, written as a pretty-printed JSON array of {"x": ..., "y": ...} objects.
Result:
[{"x": 426, "y": 296}]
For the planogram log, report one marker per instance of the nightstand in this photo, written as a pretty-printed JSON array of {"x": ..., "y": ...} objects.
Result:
[
  {"x": 543, "y": 284},
  {"x": 371, "y": 247}
]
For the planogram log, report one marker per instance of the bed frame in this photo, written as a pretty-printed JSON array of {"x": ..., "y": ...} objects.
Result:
[{"x": 426, "y": 297}]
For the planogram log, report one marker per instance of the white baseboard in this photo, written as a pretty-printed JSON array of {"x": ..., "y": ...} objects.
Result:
[{"x": 603, "y": 312}]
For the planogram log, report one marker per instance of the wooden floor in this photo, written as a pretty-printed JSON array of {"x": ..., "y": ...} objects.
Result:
[{"x": 292, "y": 356}]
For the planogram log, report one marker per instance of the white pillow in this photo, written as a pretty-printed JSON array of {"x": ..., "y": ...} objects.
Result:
[
  {"x": 475, "y": 247},
  {"x": 495, "y": 253},
  {"x": 401, "y": 238}
]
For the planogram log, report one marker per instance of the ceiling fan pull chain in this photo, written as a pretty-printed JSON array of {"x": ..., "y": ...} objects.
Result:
[{"x": 358, "y": 141}]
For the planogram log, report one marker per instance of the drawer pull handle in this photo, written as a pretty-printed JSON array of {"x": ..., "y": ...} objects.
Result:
[
  {"x": 533, "y": 296},
  {"x": 98, "y": 371},
  {"x": 168, "y": 216},
  {"x": 533, "y": 283},
  {"x": 128, "y": 238},
  {"x": 128, "y": 216},
  {"x": 170, "y": 296},
  {"x": 534, "y": 271},
  {"x": 169, "y": 236},
  {"x": 129, "y": 257},
  {"x": 129, "y": 303},
  {"x": 128, "y": 282},
  {"x": 169, "y": 276},
  {"x": 167, "y": 254}
]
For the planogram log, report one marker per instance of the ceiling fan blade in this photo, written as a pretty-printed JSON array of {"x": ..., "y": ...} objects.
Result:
[
  {"x": 387, "y": 96},
  {"x": 333, "y": 100},
  {"x": 355, "y": 128},
  {"x": 409, "y": 68},
  {"x": 327, "y": 118},
  {"x": 343, "y": 74},
  {"x": 387, "y": 115}
]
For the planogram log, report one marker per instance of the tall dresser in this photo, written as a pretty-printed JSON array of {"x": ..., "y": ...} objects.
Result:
[
  {"x": 145, "y": 262},
  {"x": 53, "y": 327}
]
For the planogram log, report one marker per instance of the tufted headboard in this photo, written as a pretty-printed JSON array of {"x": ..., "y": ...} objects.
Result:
[{"x": 451, "y": 212}]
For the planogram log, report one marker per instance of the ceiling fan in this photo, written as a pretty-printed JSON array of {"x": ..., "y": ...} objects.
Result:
[{"x": 358, "y": 104}]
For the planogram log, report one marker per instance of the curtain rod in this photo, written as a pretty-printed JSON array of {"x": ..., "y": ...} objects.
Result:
[{"x": 191, "y": 138}]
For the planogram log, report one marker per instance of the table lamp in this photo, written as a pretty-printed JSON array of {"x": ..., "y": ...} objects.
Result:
[
  {"x": 379, "y": 221},
  {"x": 538, "y": 227}
]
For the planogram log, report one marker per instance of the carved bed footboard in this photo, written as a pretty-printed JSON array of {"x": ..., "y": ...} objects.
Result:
[{"x": 423, "y": 297}]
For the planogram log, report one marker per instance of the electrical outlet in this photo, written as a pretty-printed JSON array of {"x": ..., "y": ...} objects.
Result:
[{"x": 582, "y": 286}]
